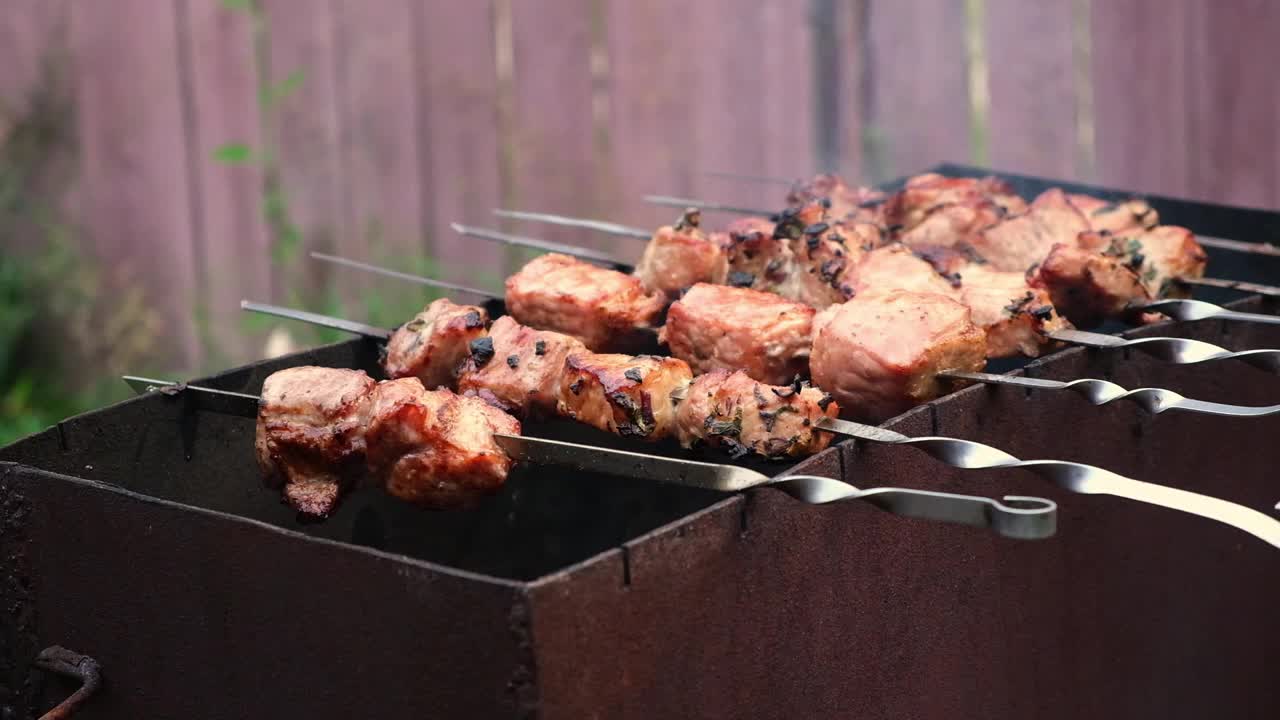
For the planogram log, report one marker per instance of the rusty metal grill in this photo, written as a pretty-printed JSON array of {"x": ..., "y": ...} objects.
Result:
[{"x": 141, "y": 536}]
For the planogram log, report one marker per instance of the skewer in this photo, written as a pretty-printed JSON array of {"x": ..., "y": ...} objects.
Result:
[
  {"x": 1177, "y": 351},
  {"x": 600, "y": 225},
  {"x": 1020, "y": 517},
  {"x": 1102, "y": 392},
  {"x": 401, "y": 275},
  {"x": 521, "y": 241}
]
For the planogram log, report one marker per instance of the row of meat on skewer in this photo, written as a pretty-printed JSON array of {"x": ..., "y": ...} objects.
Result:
[{"x": 840, "y": 288}]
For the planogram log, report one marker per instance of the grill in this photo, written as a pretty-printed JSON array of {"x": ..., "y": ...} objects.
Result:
[{"x": 141, "y": 536}]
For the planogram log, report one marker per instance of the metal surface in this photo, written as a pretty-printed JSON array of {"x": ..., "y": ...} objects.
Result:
[
  {"x": 61, "y": 661},
  {"x": 1239, "y": 246},
  {"x": 535, "y": 243},
  {"x": 1240, "y": 285},
  {"x": 670, "y": 201},
  {"x": 1179, "y": 351},
  {"x": 1201, "y": 310},
  {"x": 1025, "y": 518},
  {"x": 350, "y": 326},
  {"x": 1071, "y": 476},
  {"x": 598, "y": 225},
  {"x": 1102, "y": 392},
  {"x": 402, "y": 275}
]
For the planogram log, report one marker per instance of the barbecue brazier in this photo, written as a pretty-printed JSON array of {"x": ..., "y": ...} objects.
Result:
[{"x": 140, "y": 535}]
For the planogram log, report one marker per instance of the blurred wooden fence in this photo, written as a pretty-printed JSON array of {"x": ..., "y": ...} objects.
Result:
[{"x": 409, "y": 114}]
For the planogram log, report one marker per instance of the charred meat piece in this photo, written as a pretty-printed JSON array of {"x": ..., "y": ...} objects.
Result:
[
  {"x": 825, "y": 254},
  {"x": 434, "y": 343},
  {"x": 1086, "y": 285},
  {"x": 1116, "y": 217},
  {"x": 733, "y": 411},
  {"x": 309, "y": 440},
  {"x": 605, "y": 309},
  {"x": 1159, "y": 255},
  {"x": 1016, "y": 315},
  {"x": 434, "y": 448},
  {"x": 897, "y": 267},
  {"x": 681, "y": 255},
  {"x": 880, "y": 353},
  {"x": 720, "y": 327},
  {"x": 923, "y": 194},
  {"x": 756, "y": 257},
  {"x": 1021, "y": 241},
  {"x": 844, "y": 203},
  {"x": 952, "y": 224},
  {"x": 517, "y": 368},
  {"x": 626, "y": 395}
]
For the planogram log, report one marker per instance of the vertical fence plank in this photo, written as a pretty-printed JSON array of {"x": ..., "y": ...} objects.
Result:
[
  {"x": 652, "y": 98},
  {"x": 918, "y": 98},
  {"x": 838, "y": 101},
  {"x": 553, "y": 128},
  {"x": 380, "y": 126},
  {"x": 29, "y": 32},
  {"x": 1032, "y": 115},
  {"x": 458, "y": 85},
  {"x": 729, "y": 113},
  {"x": 788, "y": 92},
  {"x": 1142, "y": 64},
  {"x": 303, "y": 132},
  {"x": 222, "y": 89},
  {"x": 137, "y": 207},
  {"x": 1235, "y": 103}
]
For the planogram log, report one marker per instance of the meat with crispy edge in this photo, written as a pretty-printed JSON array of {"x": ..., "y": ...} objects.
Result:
[
  {"x": 626, "y": 395},
  {"x": 1115, "y": 217},
  {"x": 1088, "y": 286},
  {"x": 1021, "y": 241},
  {"x": 845, "y": 203},
  {"x": 923, "y": 194},
  {"x": 880, "y": 353},
  {"x": 731, "y": 410},
  {"x": 757, "y": 257},
  {"x": 681, "y": 255},
  {"x": 1159, "y": 255},
  {"x": 517, "y": 368},
  {"x": 720, "y": 327},
  {"x": 434, "y": 448},
  {"x": 1016, "y": 314},
  {"x": 309, "y": 438},
  {"x": 605, "y": 309},
  {"x": 434, "y": 343}
]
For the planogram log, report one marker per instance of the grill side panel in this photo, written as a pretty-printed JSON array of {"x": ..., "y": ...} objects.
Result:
[
  {"x": 197, "y": 614},
  {"x": 843, "y": 611}
]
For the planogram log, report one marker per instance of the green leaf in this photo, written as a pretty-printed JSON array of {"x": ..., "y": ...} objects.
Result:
[
  {"x": 272, "y": 95},
  {"x": 237, "y": 4},
  {"x": 233, "y": 154}
]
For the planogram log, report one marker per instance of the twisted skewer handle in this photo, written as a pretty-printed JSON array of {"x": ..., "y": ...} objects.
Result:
[
  {"x": 1019, "y": 517},
  {"x": 1180, "y": 351},
  {"x": 1201, "y": 310},
  {"x": 1073, "y": 477},
  {"x": 1102, "y": 392}
]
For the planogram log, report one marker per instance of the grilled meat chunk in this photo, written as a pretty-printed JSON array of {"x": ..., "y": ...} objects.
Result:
[
  {"x": 1088, "y": 286},
  {"x": 309, "y": 440},
  {"x": 825, "y": 255},
  {"x": 517, "y": 368},
  {"x": 721, "y": 327},
  {"x": 1021, "y": 241},
  {"x": 432, "y": 447},
  {"x": 897, "y": 267},
  {"x": 733, "y": 411},
  {"x": 605, "y": 309},
  {"x": 681, "y": 255},
  {"x": 433, "y": 344},
  {"x": 756, "y": 256},
  {"x": 1118, "y": 217},
  {"x": 623, "y": 394},
  {"x": 951, "y": 224},
  {"x": 879, "y": 354},
  {"x": 1159, "y": 255},
  {"x": 844, "y": 203},
  {"x": 926, "y": 193}
]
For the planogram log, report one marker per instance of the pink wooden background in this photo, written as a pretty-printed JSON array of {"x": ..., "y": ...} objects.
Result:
[{"x": 413, "y": 114}]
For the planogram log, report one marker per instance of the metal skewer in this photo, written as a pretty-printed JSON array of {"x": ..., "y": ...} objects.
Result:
[
  {"x": 1020, "y": 517},
  {"x": 600, "y": 225},
  {"x": 1179, "y": 351},
  {"x": 401, "y": 275},
  {"x": 1102, "y": 392},
  {"x": 535, "y": 243}
]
